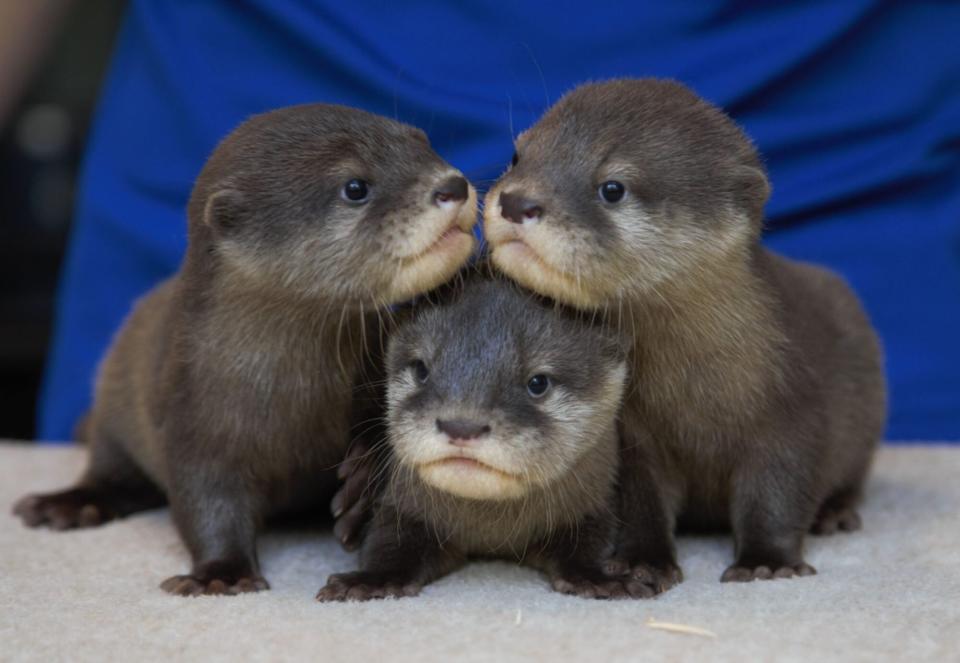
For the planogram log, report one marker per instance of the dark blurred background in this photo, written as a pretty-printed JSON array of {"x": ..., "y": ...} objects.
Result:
[{"x": 42, "y": 132}]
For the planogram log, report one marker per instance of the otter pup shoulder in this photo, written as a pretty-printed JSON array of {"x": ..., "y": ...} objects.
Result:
[
  {"x": 757, "y": 393},
  {"x": 501, "y": 424},
  {"x": 229, "y": 391}
]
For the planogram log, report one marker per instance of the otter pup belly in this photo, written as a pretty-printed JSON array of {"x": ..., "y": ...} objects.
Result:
[
  {"x": 502, "y": 432},
  {"x": 757, "y": 393},
  {"x": 229, "y": 391}
]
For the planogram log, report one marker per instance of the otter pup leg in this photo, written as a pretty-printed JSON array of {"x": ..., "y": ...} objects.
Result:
[
  {"x": 362, "y": 476},
  {"x": 217, "y": 513},
  {"x": 575, "y": 563},
  {"x": 771, "y": 511},
  {"x": 398, "y": 557},
  {"x": 112, "y": 487},
  {"x": 645, "y": 547}
]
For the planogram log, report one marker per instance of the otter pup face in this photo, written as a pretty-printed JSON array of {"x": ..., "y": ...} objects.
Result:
[
  {"x": 335, "y": 203},
  {"x": 622, "y": 186},
  {"x": 497, "y": 393}
]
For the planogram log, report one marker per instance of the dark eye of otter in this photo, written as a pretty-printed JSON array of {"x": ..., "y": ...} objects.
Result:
[
  {"x": 612, "y": 191},
  {"x": 356, "y": 191},
  {"x": 420, "y": 371},
  {"x": 538, "y": 385},
  {"x": 515, "y": 160}
]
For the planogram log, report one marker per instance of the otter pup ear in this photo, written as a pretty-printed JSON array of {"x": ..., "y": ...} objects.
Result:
[
  {"x": 224, "y": 211},
  {"x": 751, "y": 189}
]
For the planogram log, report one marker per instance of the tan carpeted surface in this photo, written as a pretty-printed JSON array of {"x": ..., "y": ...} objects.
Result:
[{"x": 890, "y": 592}]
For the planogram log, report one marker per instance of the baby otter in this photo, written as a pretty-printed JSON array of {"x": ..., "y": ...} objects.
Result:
[
  {"x": 757, "y": 395},
  {"x": 229, "y": 390},
  {"x": 501, "y": 423}
]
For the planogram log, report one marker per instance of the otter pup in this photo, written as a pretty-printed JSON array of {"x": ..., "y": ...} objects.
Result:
[
  {"x": 757, "y": 395},
  {"x": 229, "y": 390},
  {"x": 501, "y": 421}
]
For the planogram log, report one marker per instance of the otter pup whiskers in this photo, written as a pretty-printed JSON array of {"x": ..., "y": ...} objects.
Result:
[
  {"x": 757, "y": 394},
  {"x": 230, "y": 391},
  {"x": 503, "y": 443}
]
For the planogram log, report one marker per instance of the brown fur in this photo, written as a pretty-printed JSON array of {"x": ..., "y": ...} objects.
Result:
[
  {"x": 229, "y": 391},
  {"x": 758, "y": 395},
  {"x": 556, "y": 508}
]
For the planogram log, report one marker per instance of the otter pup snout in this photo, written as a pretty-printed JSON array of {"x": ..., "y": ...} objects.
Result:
[
  {"x": 453, "y": 190},
  {"x": 517, "y": 208},
  {"x": 462, "y": 433}
]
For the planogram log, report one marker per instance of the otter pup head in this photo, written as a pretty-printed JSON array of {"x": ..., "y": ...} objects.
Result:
[
  {"x": 332, "y": 203},
  {"x": 621, "y": 187},
  {"x": 498, "y": 394}
]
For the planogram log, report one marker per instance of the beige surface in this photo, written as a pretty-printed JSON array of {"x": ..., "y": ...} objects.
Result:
[{"x": 890, "y": 592}]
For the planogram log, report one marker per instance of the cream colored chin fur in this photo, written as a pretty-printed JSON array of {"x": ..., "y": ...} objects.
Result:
[
  {"x": 532, "y": 255},
  {"x": 435, "y": 254},
  {"x": 479, "y": 482},
  {"x": 523, "y": 264},
  {"x": 432, "y": 268}
]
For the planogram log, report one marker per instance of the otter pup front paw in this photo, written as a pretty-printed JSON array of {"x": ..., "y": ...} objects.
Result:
[
  {"x": 216, "y": 578},
  {"x": 742, "y": 572},
  {"x": 351, "y": 505},
  {"x": 590, "y": 584},
  {"x": 657, "y": 578},
  {"x": 830, "y": 521},
  {"x": 367, "y": 585},
  {"x": 68, "y": 509}
]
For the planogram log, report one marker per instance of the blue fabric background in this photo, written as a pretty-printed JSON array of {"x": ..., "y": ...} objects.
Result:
[{"x": 854, "y": 103}]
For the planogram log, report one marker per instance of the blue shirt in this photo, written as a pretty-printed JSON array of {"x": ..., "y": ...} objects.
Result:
[{"x": 855, "y": 105}]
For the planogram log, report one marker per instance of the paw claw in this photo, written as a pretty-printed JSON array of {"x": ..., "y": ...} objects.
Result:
[
  {"x": 615, "y": 567},
  {"x": 216, "y": 587},
  {"x": 764, "y": 572}
]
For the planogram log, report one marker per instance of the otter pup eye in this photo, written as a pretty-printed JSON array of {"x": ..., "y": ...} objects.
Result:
[
  {"x": 612, "y": 191},
  {"x": 356, "y": 191},
  {"x": 420, "y": 371},
  {"x": 537, "y": 385},
  {"x": 515, "y": 160}
]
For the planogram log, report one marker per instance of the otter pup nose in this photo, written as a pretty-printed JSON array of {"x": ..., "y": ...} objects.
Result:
[
  {"x": 453, "y": 189},
  {"x": 462, "y": 433},
  {"x": 514, "y": 207}
]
